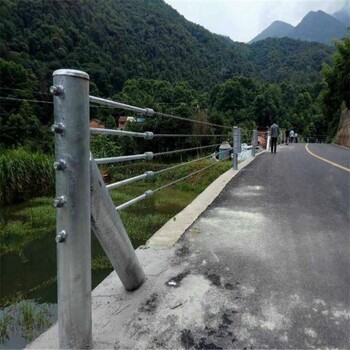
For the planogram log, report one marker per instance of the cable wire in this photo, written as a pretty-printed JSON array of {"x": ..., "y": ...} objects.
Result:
[
  {"x": 28, "y": 91},
  {"x": 189, "y": 135},
  {"x": 184, "y": 150},
  {"x": 24, "y": 99},
  {"x": 190, "y": 120},
  {"x": 41, "y": 101},
  {"x": 185, "y": 177},
  {"x": 182, "y": 164}
]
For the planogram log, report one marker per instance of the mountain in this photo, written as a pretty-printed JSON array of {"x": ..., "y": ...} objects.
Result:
[
  {"x": 277, "y": 29},
  {"x": 316, "y": 26},
  {"x": 115, "y": 40},
  {"x": 343, "y": 15},
  {"x": 286, "y": 59},
  {"x": 320, "y": 27}
]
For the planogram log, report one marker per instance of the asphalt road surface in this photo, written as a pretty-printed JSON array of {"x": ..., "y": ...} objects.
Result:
[{"x": 283, "y": 238}]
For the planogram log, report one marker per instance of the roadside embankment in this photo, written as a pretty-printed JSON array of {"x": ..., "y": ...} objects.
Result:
[{"x": 343, "y": 134}]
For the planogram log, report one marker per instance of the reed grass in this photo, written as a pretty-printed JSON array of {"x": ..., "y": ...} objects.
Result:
[
  {"x": 24, "y": 175},
  {"x": 25, "y": 318}
]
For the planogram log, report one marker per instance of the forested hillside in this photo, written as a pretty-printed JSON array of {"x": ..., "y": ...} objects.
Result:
[
  {"x": 288, "y": 60},
  {"x": 118, "y": 40}
]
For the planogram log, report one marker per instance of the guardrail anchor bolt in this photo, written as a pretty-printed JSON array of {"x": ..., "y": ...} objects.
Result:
[
  {"x": 60, "y": 165},
  {"x": 58, "y": 128},
  {"x": 59, "y": 202},
  {"x": 61, "y": 236},
  {"x": 57, "y": 90}
]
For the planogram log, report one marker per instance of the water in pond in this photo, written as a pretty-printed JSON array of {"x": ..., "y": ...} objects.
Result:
[{"x": 30, "y": 282}]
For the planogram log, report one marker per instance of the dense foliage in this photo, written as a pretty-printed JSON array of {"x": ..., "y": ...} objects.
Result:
[
  {"x": 144, "y": 52},
  {"x": 336, "y": 94}
]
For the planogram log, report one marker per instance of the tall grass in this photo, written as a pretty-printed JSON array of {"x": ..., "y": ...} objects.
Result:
[
  {"x": 24, "y": 175},
  {"x": 22, "y": 223}
]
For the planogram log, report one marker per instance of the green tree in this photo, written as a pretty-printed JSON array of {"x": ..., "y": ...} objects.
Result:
[
  {"x": 336, "y": 94},
  {"x": 267, "y": 105}
]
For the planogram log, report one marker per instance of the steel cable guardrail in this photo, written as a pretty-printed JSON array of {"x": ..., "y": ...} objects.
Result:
[
  {"x": 17, "y": 99},
  {"x": 87, "y": 205},
  {"x": 189, "y": 135},
  {"x": 148, "y": 155},
  {"x": 144, "y": 156},
  {"x": 182, "y": 164},
  {"x": 26, "y": 91},
  {"x": 114, "y": 104},
  {"x": 184, "y": 150},
  {"x": 150, "y": 174},
  {"x": 148, "y": 135},
  {"x": 149, "y": 111},
  {"x": 190, "y": 120},
  {"x": 25, "y": 100},
  {"x": 186, "y": 177},
  {"x": 150, "y": 193},
  {"x": 147, "y": 175}
]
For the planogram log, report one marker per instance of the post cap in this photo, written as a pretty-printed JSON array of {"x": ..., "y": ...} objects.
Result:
[{"x": 72, "y": 73}]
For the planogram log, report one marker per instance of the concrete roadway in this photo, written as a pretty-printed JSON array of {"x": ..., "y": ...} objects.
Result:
[{"x": 267, "y": 265}]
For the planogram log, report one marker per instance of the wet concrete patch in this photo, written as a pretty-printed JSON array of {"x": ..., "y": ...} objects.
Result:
[
  {"x": 188, "y": 342},
  {"x": 213, "y": 278},
  {"x": 182, "y": 251},
  {"x": 187, "y": 339},
  {"x": 218, "y": 332},
  {"x": 230, "y": 286},
  {"x": 150, "y": 305},
  {"x": 204, "y": 344}
]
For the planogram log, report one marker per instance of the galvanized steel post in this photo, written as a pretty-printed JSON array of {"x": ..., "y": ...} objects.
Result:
[
  {"x": 72, "y": 151},
  {"x": 236, "y": 146},
  {"x": 268, "y": 142},
  {"x": 255, "y": 141}
]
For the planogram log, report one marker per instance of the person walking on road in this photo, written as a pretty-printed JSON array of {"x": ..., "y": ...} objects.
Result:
[
  {"x": 291, "y": 136},
  {"x": 296, "y": 137},
  {"x": 274, "y": 132},
  {"x": 286, "y": 135}
]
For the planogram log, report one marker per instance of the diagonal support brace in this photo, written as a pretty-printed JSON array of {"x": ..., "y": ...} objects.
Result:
[{"x": 110, "y": 231}]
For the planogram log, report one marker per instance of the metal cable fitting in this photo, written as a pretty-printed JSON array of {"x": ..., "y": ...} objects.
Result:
[
  {"x": 58, "y": 128},
  {"x": 60, "y": 165},
  {"x": 59, "y": 202},
  {"x": 61, "y": 236},
  {"x": 57, "y": 90}
]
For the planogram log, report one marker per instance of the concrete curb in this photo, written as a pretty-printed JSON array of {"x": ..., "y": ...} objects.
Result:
[{"x": 172, "y": 231}]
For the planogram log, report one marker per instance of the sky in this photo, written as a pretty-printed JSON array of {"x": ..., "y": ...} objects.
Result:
[{"x": 242, "y": 20}]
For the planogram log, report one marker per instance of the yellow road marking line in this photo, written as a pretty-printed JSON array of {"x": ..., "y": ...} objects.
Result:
[{"x": 326, "y": 160}]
